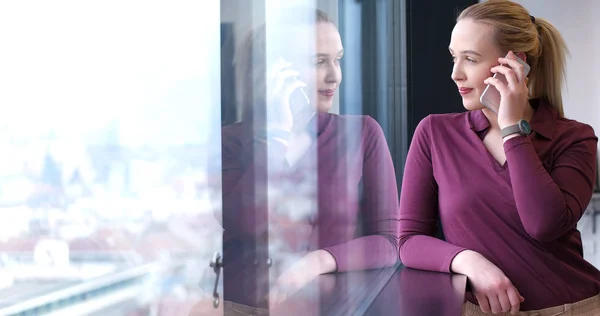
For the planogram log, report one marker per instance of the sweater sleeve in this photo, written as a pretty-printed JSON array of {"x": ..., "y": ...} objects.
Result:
[
  {"x": 419, "y": 248},
  {"x": 551, "y": 202},
  {"x": 379, "y": 245}
]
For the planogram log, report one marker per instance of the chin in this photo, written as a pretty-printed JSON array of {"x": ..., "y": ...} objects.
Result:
[
  {"x": 324, "y": 107},
  {"x": 472, "y": 104}
]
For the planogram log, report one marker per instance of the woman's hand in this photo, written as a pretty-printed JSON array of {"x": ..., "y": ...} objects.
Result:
[
  {"x": 282, "y": 82},
  {"x": 300, "y": 274},
  {"x": 493, "y": 290},
  {"x": 514, "y": 96}
]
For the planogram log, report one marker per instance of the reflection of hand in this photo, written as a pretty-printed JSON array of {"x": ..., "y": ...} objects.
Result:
[
  {"x": 493, "y": 290},
  {"x": 283, "y": 83},
  {"x": 300, "y": 274},
  {"x": 293, "y": 279}
]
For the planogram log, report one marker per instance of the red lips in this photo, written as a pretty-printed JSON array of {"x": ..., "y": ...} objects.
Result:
[
  {"x": 327, "y": 92},
  {"x": 464, "y": 91}
]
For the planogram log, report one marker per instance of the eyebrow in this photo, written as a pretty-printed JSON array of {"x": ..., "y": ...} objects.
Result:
[
  {"x": 327, "y": 55},
  {"x": 467, "y": 52}
]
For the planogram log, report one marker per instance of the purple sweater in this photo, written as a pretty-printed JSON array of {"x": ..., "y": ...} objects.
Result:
[
  {"x": 521, "y": 216},
  {"x": 355, "y": 194}
]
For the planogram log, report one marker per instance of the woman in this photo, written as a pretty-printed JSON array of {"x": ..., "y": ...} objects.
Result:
[
  {"x": 508, "y": 201},
  {"x": 288, "y": 141}
]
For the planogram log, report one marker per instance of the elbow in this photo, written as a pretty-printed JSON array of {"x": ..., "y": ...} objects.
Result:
[
  {"x": 541, "y": 236},
  {"x": 402, "y": 253},
  {"x": 407, "y": 260},
  {"x": 405, "y": 236},
  {"x": 401, "y": 258},
  {"x": 392, "y": 258},
  {"x": 545, "y": 233},
  {"x": 550, "y": 228}
]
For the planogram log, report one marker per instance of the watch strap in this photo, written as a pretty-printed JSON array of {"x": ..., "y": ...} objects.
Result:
[{"x": 509, "y": 130}]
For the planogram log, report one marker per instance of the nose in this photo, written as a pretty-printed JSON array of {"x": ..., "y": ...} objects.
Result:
[
  {"x": 333, "y": 75},
  {"x": 457, "y": 72}
]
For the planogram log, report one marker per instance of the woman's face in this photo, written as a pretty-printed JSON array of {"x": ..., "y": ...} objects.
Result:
[
  {"x": 474, "y": 53},
  {"x": 317, "y": 54},
  {"x": 328, "y": 73}
]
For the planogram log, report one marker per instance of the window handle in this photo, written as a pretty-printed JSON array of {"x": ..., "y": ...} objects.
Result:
[{"x": 216, "y": 263}]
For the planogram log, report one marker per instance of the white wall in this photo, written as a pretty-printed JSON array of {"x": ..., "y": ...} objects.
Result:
[{"x": 576, "y": 20}]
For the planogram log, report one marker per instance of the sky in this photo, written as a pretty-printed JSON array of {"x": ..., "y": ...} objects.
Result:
[{"x": 73, "y": 66}]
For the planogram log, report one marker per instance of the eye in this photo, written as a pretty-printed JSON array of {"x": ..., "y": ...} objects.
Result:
[
  {"x": 338, "y": 60},
  {"x": 453, "y": 59},
  {"x": 471, "y": 60},
  {"x": 320, "y": 62}
]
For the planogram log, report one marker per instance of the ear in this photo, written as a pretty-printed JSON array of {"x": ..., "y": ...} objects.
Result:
[{"x": 522, "y": 56}]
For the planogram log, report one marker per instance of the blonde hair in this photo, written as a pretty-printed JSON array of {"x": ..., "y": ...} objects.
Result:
[
  {"x": 515, "y": 30},
  {"x": 250, "y": 57}
]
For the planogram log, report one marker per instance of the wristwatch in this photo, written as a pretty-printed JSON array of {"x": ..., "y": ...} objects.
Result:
[{"x": 522, "y": 128}]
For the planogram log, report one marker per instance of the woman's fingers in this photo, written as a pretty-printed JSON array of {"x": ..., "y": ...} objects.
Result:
[
  {"x": 278, "y": 66},
  {"x": 510, "y": 74},
  {"x": 289, "y": 89},
  {"x": 514, "y": 64},
  {"x": 515, "y": 300},
  {"x": 497, "y": 83},
  {"x": 495, "y": 306},
  {"x": 283, "y": 77},
  {"x": 505, "y": 303},
  {"x": 508, "y": 301},
  {"x": 484, "y": 304}
]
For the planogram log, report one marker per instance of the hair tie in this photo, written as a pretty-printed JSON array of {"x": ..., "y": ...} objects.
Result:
[{"x": 532, "y": 19}]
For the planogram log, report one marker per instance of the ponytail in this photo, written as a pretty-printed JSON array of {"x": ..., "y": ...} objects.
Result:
[{"x": 547, "y": 79}]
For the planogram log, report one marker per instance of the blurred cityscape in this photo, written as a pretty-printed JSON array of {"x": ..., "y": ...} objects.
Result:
[{"x": 104, "y": 229}]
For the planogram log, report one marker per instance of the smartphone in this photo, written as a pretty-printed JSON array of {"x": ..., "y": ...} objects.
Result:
[
  {"x": 490, "y": 97},
  {"x": 299, "y": 99}
]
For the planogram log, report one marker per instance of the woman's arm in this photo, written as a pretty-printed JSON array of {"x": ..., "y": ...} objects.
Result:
[
  {"x": 550, "y": 203},
  {"x": 419, "y": 209},
  {"x": 379, "y": 245}
]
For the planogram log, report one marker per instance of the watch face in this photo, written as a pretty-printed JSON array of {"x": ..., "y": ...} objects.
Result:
[{"x": 524, "y": 127}]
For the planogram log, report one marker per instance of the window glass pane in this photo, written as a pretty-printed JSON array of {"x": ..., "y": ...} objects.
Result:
[
  {"x": 110, "y": 111},
  {"x": 309, "y": 183}
]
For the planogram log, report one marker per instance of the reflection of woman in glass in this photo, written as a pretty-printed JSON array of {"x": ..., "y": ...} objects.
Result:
[
  {"x": 339, "y": 163},
  {"x": 509, "y": 200}
]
